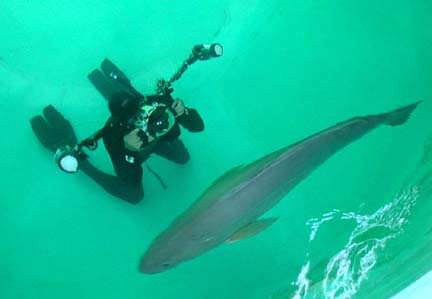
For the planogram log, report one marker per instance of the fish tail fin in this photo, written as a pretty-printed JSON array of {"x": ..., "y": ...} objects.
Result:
[{"x": 399, "y": 116}]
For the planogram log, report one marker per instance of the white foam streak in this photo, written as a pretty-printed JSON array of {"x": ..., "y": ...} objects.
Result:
[
  {"x": 315, "y": 223},
  {"x": 302, "y": 282},
  {"x": 348, "y": 269}
]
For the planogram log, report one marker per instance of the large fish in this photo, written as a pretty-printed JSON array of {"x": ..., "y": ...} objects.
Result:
[{"x": 230, "y": 208}]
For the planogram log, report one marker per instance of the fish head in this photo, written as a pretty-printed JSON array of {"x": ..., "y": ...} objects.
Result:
[
  {"x": 159, "y": 259},
  {"x": 169, "y": 250}
]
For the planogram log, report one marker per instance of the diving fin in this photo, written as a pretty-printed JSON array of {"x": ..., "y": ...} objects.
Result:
[
  {"x": 102, "y": 84},
  {"x": 43, "y": 132},
  {"x": 54, "y": 130},
  {"x": 110, "y": 79},
  {"x": 111, "y": 71},
  {"x": 251, "y": 229}
]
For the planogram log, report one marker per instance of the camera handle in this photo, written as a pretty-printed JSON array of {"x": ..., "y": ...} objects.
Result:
[
  {"x": 164, "y": 87},
  {"x": 199, "y": 52}
]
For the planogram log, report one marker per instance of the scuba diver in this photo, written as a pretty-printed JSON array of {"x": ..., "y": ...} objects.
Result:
[{"x": 139, "y": 126}]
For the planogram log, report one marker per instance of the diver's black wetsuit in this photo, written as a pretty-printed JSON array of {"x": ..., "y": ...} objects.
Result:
[
  {"x": 127, "y": 184},
  {"x": 53, "y": 131}
]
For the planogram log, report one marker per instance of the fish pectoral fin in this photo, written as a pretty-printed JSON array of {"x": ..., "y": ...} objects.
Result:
[{"x": 251, "y": 229}]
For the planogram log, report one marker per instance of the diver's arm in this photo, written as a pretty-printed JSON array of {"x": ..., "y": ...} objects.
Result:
[
  {"x": 187, "y": 117},
  {"x": 130, "y": 192},
  {"x": 127, "y": 163},
  {"x": 54, "y": 131},
  {"x": 127, "y": 184},
  {"x": 191, "y": 120}
]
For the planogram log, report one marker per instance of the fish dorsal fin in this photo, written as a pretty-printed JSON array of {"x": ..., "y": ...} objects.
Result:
[
  {"x": 229, "y": 180},
  {"x": 227, "y": 175},
  {"x": 219, "y": 186},
  {"x": 251, "y": 229},
  {"x": 241, "y": 172}
]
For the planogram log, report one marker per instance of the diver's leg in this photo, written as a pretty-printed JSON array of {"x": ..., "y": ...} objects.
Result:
[
  {"x": 130, "y": 192},
  {"x": 174, "y": 151}
]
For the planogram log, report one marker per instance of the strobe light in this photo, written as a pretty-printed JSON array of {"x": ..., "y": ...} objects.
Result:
[
  {"x": 207, "y": 51},
  {"x": 67, "y": 159}
]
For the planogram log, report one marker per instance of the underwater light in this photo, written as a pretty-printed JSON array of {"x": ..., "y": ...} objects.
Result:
[{"x": 67, "y": 159}]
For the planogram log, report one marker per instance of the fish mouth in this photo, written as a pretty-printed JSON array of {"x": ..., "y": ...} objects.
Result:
[
  {"x": 153, "y": 269},
  {"x": 148, "y": 270},
  {"x": 149, "y": 267}
]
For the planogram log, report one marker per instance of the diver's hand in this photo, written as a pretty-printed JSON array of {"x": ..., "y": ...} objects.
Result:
[
  {"x": 178, "y": 107},
  {"x": 132, "y": 141}
]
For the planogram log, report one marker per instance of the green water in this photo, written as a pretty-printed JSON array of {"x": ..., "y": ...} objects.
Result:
[{"x": 358, "y": 227}]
